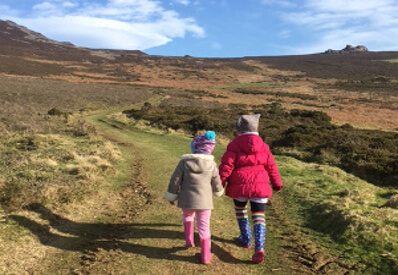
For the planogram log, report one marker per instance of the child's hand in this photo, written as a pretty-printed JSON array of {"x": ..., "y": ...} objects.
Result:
[{"x": 277, "y": 189}]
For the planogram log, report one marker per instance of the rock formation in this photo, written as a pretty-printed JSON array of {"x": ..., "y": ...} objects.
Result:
[{"x": 349, "y": 49}]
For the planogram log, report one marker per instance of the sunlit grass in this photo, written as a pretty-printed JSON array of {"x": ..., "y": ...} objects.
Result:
[
  {"x": 265, "y": 84},
  {"x": 53, "y": 168},
  {"x": 392, "y": 60},
  {"x": 354, "y": 217}
]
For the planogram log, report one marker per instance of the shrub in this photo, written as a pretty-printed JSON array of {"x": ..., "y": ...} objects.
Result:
[
  {"x": 55, "y": 112},
  {"x": 319, "y": 117},
  {"x": 370, "y": 155}
]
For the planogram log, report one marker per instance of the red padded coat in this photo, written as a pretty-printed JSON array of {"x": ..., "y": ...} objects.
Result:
[{"x": 248, "y": 167}]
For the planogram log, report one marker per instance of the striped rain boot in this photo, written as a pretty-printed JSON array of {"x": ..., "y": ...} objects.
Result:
[
  {"x": 245, "y": 238},
  {"x": 258, "y": 219}
]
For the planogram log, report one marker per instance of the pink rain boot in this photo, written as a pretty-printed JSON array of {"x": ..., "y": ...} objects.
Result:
[
  {"x": 205, "y": 252},
  {"x": 188, "y": 230},
  {"x": 258, "y": 257}
]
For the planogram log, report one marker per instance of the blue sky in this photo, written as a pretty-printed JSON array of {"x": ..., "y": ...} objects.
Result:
[{"x": 210, "y": 28}]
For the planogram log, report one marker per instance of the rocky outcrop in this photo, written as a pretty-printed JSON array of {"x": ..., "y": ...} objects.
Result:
[{"x": 349, "y": 49}]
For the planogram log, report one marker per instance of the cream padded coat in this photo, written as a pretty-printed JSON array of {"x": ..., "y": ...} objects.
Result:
[{"x": 194, "y": 182}]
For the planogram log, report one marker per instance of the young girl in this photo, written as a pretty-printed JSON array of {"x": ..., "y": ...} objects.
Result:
[
  {"x": 248, "y": 166},
  {"x": 193, "y": 184}
]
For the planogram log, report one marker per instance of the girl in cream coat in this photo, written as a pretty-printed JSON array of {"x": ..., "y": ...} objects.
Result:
[{"x": 193, "y": 183}]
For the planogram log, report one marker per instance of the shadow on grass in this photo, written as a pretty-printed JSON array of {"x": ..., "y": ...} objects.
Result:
[
  {"x": 329, "y": 220},
  {"x": 65, "y": 234}
]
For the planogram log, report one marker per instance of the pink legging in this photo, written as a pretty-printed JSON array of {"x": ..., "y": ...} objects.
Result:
[{"x": 202, "y": 220}]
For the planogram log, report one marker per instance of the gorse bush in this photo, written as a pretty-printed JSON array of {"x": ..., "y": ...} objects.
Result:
[{"x": 370, "y": 155}]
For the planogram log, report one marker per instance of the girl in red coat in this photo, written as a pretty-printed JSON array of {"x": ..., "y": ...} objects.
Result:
[{"x": 248, "y": 168}]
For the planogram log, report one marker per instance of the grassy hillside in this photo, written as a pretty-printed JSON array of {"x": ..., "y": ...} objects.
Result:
[
  {"x": 324, "y": 221},
  {"x": 337, "y": 211},
  {"x": 81, "y": 181},
  {"x": 351, "y": 217},
  {"x": 330, "y": 208},
  {"x": 47, "y": 152}
]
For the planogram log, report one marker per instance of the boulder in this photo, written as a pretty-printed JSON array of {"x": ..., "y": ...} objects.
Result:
[{"x": 348, "y": 49}]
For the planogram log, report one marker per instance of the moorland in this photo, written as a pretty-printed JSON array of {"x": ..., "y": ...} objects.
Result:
[{"x": 73, "y": 120}]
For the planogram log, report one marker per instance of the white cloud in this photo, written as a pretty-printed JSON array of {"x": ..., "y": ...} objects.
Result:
[
  {"x": 68, "y": 5},
  {"x": 338, "y": 39},
  {"x": 341, "y": 12},
  {"x": 101, "y": 33},
  {"x": 335, "y": 23},
  {"x": 44, "y": 6},
  {"x": 142, "y": 10},
  {"x": 352, "y": 6},
  {"x": 315, "y": 20},
  {"x": 117, "y": 24}
]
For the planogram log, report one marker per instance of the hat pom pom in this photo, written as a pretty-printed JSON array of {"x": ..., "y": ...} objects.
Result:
[{"x": 210, "y": 135}]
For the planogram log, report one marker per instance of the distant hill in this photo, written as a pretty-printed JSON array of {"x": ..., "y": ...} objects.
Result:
[
  {"x": 18, "y": 40},
  {"x": 357, "y": 65}
]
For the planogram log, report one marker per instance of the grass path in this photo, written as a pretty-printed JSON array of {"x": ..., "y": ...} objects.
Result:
[
  {"x": 154, "y": 242},
  {"x": 126, "y": 227}
]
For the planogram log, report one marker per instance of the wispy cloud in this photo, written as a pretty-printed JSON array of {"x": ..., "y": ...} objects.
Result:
[
  {"x": 181, "y": 2},
  {"x": 4, "y": 9},
  {"x": 282, "y": 3},
  {"x": 68, "y": 4},
  {"x": 352, "y": 6},
  {"x": 117, "y": 24},
  {"x": 285, "y": 34},
  {"x": 335, "y": 23}
]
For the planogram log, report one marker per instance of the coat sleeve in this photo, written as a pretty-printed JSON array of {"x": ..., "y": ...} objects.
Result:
[
  {"x": 227, "y": 165},
  {"x": 175, "y": 183},
  {"x": 218, "y": 189},
  {"x": 273, "y": 173}
]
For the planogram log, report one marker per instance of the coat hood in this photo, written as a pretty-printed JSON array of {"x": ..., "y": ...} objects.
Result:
[
  {"x": 198, "y": 163},
  {"x": 249, "y": 143}
]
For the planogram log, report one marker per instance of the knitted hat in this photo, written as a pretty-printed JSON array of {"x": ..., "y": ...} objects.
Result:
[
  {"x": 247, "y": 123},
  {"x": 204, "y": 144}
]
